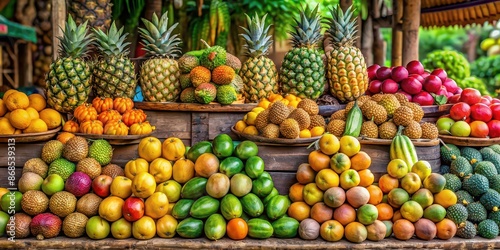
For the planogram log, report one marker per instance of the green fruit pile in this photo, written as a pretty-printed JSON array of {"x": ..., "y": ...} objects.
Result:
[
  {"x": 474, "y": 175},
  {"x": 455, "y": 64},
  {"x": 231, "y": 183},
  {"x": 488, "y": 69}
]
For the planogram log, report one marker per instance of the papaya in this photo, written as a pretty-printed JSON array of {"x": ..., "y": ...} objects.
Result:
[
  {"x": 273, "y": 193},
  {"x": 277, "y": 207},
  {"x": 215, "y": 227},
  {"x": 231, "y": 166},
  {"x": 246, "y": 149},
  {"x": 262, "y": 186},
  {"x": 285, "y": 227},
  {"x": 231, "y": 207},
  {"x": 204, "y": 207},
  {"x": 254, "y": 167},
  {"x": 194, "y": 188},
  {"x": 260, "y": 228},
  {"x": 223, "y": 146},
  {"x": 252, "y": 205},
  {"x": 190, "y": 228},
  {"x": 181, "y": 208},
  {"x": 198, "y": 149}
]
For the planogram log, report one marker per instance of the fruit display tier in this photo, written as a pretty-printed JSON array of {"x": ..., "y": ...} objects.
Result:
[{"x": 273, "y": 243}]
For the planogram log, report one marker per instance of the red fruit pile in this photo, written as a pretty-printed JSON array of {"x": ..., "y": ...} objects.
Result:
[
  {"x": 412, "y": 81},
  {"x": 482, "y": 113}
]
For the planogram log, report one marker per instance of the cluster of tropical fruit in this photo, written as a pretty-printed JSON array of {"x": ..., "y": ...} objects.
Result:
[
  {"x": 54, "y": 190},
  {"x": 22, "y": 114},
  {"x": 379, "y": 116},
  {"x": 492, "y": 44},
  {"x": 210, "y": 75},
  {"x": 473, "y": 174},
  {"x": 472, "y": 115},
  {"x": 288, "y": 117},
  {"x": 109, "y": 116}
]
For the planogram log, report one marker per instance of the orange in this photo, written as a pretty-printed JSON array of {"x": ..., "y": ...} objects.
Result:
[
  {"x": 5, "y": 127},
  {"x": 264, "y": 103},
  {"x": 240, "y": 126},
  {"x": 385, "y": 211},
  {"x": 33, "y": 113},
  {"x": 18, "y": 131},
  {"x": 64, "y": 137},
  {"x": 403, "y": 229},
  {"x": 445, "y": 198},
  {"x": 376, "y": 194},
  {"x": 387, "y": 183},
  {"x": 397, "y": 216},
  {"x": 237, "y": 229},
  {"x": 295, "y": 192},
  {"x": 361, "y": 161},
  {"x": 51, "y": 117},
  {"x": 251, "y": 130},
  {"x": 355, "y": 232},
  {"x": 290, "y": 97},
  {"x": 36, "y": 126},
  {"x": 294, "y": 103},
  {"x": 446, "y": 229},
  {"x": 37, "y": 102},
  {"x": 366, "y": 177},
  {"x": 20, "y": 119},
  {"x": 299, "y": 210},
  {"x": 3, "y": 108},
  {"x": 329, "y": 144},
  {"x": 340, "y": 162},
  {"x": 320, "y": 212},
  {"x": 273, "y": 97},
  {"x": 305, "y": 133},
  {"x": 318, "y": 160},
  {"x": 479, "y": 129},
  {"x": 317, "y": 131},
  {"x": 9, "y": 92},
  {"x": 17, "y": 100}
]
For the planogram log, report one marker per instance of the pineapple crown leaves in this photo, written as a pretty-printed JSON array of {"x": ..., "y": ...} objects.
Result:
[
  {"x": 307, "y": 30},
  {"x": 158, "y": 39},
  {"x": 75, "y": 40},
  {"x": 113, "y": 43},
  {"x": 257, "y": 42},
  {"x": 342, "y": 28}
]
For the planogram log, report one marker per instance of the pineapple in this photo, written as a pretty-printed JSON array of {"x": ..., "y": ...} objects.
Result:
[
  {"x": 97, "y": 12},
  {"x": 68, "y": 82},
  {"x": 114, "y": 74},
  {"x": 258, "y": 73},
  {"x": 160, "y": 74},
  {"x": 302, "y": 72},
  {"x": 346, "y": 68}
]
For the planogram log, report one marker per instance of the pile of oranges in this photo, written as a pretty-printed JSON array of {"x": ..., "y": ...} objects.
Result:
[
  {"x": 336, "y": 197},
  {"x": 20, "y": 113}
]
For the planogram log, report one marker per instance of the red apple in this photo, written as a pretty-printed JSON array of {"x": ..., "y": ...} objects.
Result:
[
  {"x": 470, "y": 95},
  {"x": 389, "y": 86},
  {"x": 460, "y": 111},
  {"x": 432, "y": 84},
  {"x": 454, "y": 99},
  {"x": 494, "y": 126},
  {"x": 485, "y": 101},
  {"x": 408, "y": 96},
  {"x": 418, "y": 77},
  {"x": 488, "y": 97},
  {"x": 450, "y": 85},
  {"x": 425, "y": 74},
  {"x": 101, "y": 185},
  {"x": 440, "y": 73},
  {"x": 458, "y": 91},
  {"x": 495, "y": 100},
  {"x": 479, "y": 129},
  {"x": 415, "y": 67},
  {"x": 383, "y": 73},
  {"x": 133, "y": 209},
  {"x": 372, "y": 71},
  {"x": 480, "y": 112},
  {"x": 442, "y": 91},
  {"x": 423, "y": 98},
  {"x": 411, "y": 86},
  {"x": 495, "y": 111},
  {"x": 374, "y": 86},
  {"x": 399, "y": 73}
]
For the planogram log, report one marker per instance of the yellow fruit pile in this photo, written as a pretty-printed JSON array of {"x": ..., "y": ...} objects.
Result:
[
  {"x": 20, "y": 113},
  {"x": 248, "y": 125},
  {"x": 110, "y": 117}
]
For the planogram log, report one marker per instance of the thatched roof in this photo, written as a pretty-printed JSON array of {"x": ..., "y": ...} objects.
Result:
[{"x": 458, "y": 12}]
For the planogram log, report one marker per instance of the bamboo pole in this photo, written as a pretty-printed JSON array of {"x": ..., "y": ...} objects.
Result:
[
  {"x": 411, "y": 24},
  {"x": 58, "y": 23},
  {"x": 397, "y": 35}
]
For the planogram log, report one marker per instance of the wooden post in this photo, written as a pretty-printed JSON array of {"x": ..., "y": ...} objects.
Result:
[
  {"x": 367, "y": 37},
  {"x": 411, "y": 24},
  {"x": 58, "y": 22},
  {"x": 397, "y": 35},
  {"x": 345, "y": 4}
]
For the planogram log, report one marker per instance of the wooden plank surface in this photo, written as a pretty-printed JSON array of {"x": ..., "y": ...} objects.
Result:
[
  {"x": 168, "y": 124},
  {"x": 195, "y": 107},
  {"x": 222, "y": 123},
  {"x": 248, "y": 243},
  {"x": 199, "y": 127}
]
